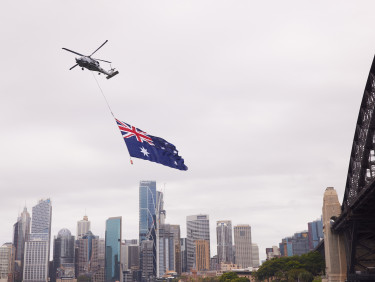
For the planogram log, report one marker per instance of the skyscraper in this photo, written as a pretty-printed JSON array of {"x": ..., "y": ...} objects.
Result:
[
  {"x": 175, "y": 230},
  {"x": 7, "y": 255},
  {"x": 63, "y": 255},
  {"x": 113, "y": 248},
  {"x": 202, "y": 255},
  {"x": 183, "y": 255},
  {"x": 147, "y": 261},
  {"x": 147, "y": 209},
  {"x": 147, "y": 219},
  {"x": 86, "y": 256},
  {"x": 37, "y": 247},
  {"x": 315, "y": 229},
  {"x": 21, "y": 230},
  {"x": 130, "y": 252},
  {"x": 166, "y": 252},
  {"x": 242, "y": 242},
  {"x": 224, "y": 241},
  {"x": 255, "y": 255},
  {"x": 197, "y": 228},
  {"x": 83, "y": 226}
]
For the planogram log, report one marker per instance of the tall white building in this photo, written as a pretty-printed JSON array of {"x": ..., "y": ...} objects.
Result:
[
  {"x": 7, "y": 255},
  {"x": 83, "y": 226},
  {"x": 224, "y": 241},
  {"x": 37, "y": 247},
  {"x": 255, "y": 255},
  {"x": 197, "y": 228},
  {"x": 242, "y": 242}
]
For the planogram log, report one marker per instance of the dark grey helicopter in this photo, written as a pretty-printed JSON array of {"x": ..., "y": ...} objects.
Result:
[{"x": 92, "y": 64}]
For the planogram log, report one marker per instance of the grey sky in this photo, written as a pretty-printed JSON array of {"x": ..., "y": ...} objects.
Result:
[{"x": 260, "y": 97}]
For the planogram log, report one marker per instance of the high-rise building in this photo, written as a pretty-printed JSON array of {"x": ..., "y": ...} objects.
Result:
[
  {"x": 160, "y": 211},
  {"x": 37, "y": 247},
  {"x": 113, "y": 249},
  {"x": 7, "y": 256},
  {"x": 147, "y": 218},
  {"x": 166, "y": 251},
  {"x": 147, "y": 260},
  {"x": 315, "y": 229},
  {"x": 175, "y": 230},
  {"x": 89, "y": 254},
  {"x": 298, "y": 244},
  {"x": 83, "y": 226},
  {"x": 21, "y": 230},
  {"x": 197, "y": 228},
  {"x": 99, "y": 268},
  {"x": 202, "y": 255},
  {"x": 147, "y": 210},
  {"x": 242, "y": 242},
  {"x": 183, "y": 255},
  {"x": 255, "y": 255},
  {"x": 130, "y": 252},
  {"x": 63, "y": 255},
  {"x": 224, "y": 241}
]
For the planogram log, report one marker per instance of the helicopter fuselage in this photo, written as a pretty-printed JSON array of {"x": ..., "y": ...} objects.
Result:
[{"x": 90, "y": 64}]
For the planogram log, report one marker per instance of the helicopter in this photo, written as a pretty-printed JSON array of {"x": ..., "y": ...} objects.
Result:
[{"x": 91, "y": 63}]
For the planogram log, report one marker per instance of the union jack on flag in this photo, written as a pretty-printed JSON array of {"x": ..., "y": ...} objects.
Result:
[{"x": 155, "y": 149}]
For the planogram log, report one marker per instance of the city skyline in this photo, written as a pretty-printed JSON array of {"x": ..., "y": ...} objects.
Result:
[
  {"x": 212, "y": 236},
  {"x": 293, "y": 74}
]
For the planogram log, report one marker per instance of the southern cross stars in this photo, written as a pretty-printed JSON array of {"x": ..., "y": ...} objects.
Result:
[{"x": 144, "y": 151}]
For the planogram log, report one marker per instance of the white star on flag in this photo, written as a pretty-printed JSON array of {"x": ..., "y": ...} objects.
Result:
[{"x": 144, "y": 151}]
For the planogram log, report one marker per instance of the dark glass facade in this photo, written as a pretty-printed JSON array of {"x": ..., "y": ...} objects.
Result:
[
  {"x": 112, "y": 249},
  {"x": 147, "y": 208},
  {"x": 147, "y": 218},
  {"x": 315, "y": 233},
  {"x": 63, "y": 254}
]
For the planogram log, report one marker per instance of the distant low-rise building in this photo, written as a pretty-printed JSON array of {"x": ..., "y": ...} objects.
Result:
[{"x": 298, "y": 244}]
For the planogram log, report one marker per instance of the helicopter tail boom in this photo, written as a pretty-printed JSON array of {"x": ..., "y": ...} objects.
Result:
[{"x": 112, "y": 74}]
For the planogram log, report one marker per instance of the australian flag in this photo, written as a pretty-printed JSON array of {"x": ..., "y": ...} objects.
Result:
[{"x": 145, "y": 146}]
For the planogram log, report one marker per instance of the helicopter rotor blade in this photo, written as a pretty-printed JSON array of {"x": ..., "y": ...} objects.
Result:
[
  {"x": 102, "y": 60},
  {"x": 99, "y": 48},
  {"x": 73, "y": 52},
  {"x": 73, "y": 66}
]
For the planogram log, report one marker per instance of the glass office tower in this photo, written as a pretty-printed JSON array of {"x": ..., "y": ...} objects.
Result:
[
  {"x": 147, "y": 209},
  {"x": 112, "y": 248},
  {"x": 147, "y": 218}
]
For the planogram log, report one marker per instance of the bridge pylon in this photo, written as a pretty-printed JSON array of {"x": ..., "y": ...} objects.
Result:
[{"x": 334, "y": 244}]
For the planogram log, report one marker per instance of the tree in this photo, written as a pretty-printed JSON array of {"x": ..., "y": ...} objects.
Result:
[
  {"x": 305, "y": 276},
  {"x": 232, "y": 277},
  {"x": 290, "y": 267}
]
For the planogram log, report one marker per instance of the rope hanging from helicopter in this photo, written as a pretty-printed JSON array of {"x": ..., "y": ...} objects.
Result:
[{"x": 109, "y": 107}]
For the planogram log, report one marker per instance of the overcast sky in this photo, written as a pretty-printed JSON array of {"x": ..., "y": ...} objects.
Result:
[{"x": 261, "y": 99}]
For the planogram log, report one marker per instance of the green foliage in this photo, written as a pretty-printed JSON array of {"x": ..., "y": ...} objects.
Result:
[
  {"x": 211, "y": 279},
  {"x": 305, "y": 276},
  {"x": 232, "y": 277},
  {"x": 228, "y": 277},
  {"x": 289, "y": 268},
  {"x": 240, "y": 279}
]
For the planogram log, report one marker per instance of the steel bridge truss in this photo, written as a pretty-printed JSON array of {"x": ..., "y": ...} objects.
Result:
[{"x": 357, "y": 219}]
